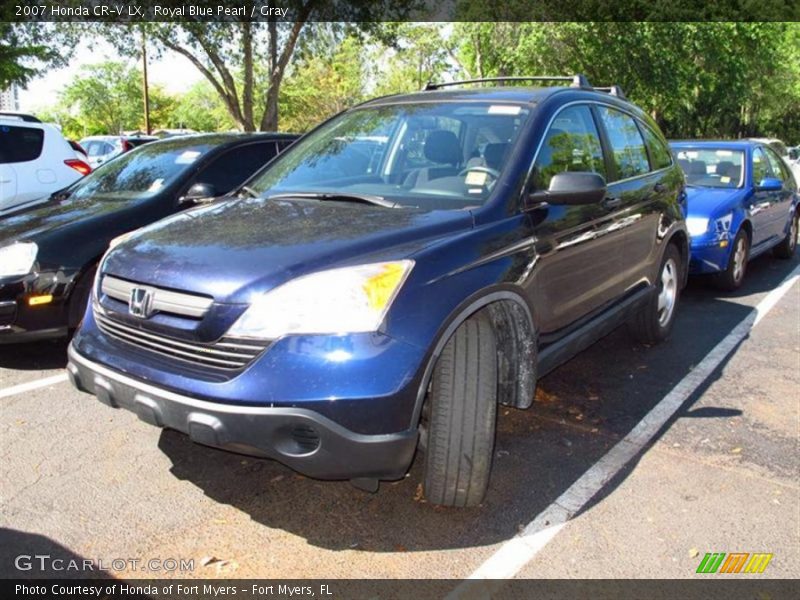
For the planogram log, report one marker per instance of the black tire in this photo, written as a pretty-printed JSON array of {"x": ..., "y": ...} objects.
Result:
[
  {"x": 653, "y": 323},
  {"x": 732, "y": 277},
  {"x": 787, "y": 247},
  {"x": 461, "y": 416},
  {"x": 79, "y": 298}
]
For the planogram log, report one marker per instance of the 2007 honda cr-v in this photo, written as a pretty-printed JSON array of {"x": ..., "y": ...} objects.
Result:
[{"x": 393, "y": 276}]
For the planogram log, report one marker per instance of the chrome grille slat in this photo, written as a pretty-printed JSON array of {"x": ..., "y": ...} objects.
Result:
[
  {"x": 196, "y": 353},
  {"x": 164, "y": 340},
  {"x": 176, "y": 303}
]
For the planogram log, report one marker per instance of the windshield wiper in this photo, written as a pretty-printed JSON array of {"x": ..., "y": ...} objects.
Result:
[
  {"x": 60, "y": 195},
  {"x": 339, "y": 197},
  {"x": 248, "y": 192}
]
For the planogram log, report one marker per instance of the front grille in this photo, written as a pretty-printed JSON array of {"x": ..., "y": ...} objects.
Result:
[
  {"x": 168, "y": 301},
  {"x": 226, "y": 353}
]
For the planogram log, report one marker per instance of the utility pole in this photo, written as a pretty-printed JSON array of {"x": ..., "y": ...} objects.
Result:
[{"x": 145, "y": 90}]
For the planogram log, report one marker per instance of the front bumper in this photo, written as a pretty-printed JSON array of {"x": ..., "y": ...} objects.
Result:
[
  {"x": 708, "y": 256},
  {"x": 301, "y": 439},
  {"x": 20, "y": 322}
]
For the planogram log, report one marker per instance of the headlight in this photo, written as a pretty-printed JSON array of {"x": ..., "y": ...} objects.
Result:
[
  {"x": 697, "y": 225},
  {"x": 346, "y": 300},
  {"x": 17, "y": 259}
]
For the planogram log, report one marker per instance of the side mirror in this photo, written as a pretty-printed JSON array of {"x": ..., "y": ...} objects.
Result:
[
  {"x": 199, "y": 192},
  {"x": 770, "y": 184},
  {"x": 793, "y": 154},
  {"x": 572, "y": 188}
]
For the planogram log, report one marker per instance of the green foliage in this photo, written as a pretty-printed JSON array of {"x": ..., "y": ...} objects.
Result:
[
  {"x": 26, "y": 49},
  {"x": 324, "y": 83},
  {"x": 200, "y": 108},
  {"x": 420, "y": 54},
  {"x": 695, "y": 79},
  {"x": 107, "y": 98}
]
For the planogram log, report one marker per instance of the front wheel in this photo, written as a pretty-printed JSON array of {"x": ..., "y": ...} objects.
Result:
[
  {"x": 731, "y": 278},
  {"x": 787, "y": 246},
  {"x": 460, "y": 416},
  {"x": 653, "y": 324}
]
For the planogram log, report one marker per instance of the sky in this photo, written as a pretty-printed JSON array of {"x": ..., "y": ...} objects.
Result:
[{"x": 174, "y": 72}]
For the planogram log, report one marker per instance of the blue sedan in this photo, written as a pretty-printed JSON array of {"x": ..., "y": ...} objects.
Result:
[{"x": 742, "y": 201}]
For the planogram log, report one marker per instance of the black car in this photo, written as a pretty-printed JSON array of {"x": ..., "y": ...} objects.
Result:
[
  {"x": 392, "y": 278},
  {"x": 49, "y": 249}
]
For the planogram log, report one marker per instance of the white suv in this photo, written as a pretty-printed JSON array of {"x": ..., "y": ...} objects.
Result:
[{"x": 35, "y": 160}]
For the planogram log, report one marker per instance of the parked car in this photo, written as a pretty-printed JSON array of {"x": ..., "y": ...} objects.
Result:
[
  {"x": 102, "y": 148},
  {"x": 49, "y": 252},
  {"x": 742, "y": 202},
  {"x": 80, "y": 153},
  {"x": 35, "y": 160},
  {"x": 395, "y": 274}
]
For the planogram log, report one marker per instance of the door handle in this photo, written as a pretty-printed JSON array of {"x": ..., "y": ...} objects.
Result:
[
  {"x": 659, "y": 188},
  {"x": 611, "y": 203}
]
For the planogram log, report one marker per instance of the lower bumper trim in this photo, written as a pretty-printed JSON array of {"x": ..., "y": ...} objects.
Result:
[{"x": 299, "y": 438}]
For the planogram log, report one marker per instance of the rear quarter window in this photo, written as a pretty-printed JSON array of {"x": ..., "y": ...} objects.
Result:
[
  {"x": 627, "y": 145},
  {"x": 660, "y": 155},
  {"x": 20, "y": 144}
]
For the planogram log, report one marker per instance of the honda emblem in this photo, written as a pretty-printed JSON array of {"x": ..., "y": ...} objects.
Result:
[{"x": 141, "y": 304}]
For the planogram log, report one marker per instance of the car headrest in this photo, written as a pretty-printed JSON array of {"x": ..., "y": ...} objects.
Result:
[
  {"x": 726, "y": 168},
  {"x": 697, "y": 167},
  {"x": 495, "y": 154},
  {"x": 442, "y": 146}
]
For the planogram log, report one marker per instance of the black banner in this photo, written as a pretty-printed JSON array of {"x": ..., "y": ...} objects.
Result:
[
  {"x": 396, "y": 10},
  {"x": 714, "y": 588}
]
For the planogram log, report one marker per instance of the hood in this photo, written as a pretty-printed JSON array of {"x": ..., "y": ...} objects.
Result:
[
  {"x": 47, "y": 216},
  {"x": 235, "y": 249},
  {"x": 709, "y": 202}
]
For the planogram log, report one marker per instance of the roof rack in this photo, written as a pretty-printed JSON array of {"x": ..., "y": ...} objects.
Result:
[
  {"x": 577, "y": 81},
  {"x": 21, "y": 116},
  {"x": 614, "y": 90}
]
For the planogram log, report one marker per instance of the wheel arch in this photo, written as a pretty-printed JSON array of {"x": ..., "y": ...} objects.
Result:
[
  {"x": 680, "y": 239},
  {"x": 82, "y": 277},
  {"x": 515, "y": 335}
]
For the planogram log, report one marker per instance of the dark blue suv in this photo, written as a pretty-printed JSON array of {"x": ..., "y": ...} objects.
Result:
[{"x": 391, "y": 278}]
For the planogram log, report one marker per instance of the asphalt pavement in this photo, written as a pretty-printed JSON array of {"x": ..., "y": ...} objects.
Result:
[{"x": 78, "y": 479}]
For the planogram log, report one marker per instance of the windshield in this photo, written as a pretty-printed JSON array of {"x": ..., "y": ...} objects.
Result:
[
  {"x": 712, "y": 167},
  {"x": 442, "y": 155},
  {"x": 141, "y": 173}
]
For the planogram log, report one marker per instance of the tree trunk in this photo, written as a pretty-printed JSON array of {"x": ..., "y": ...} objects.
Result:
[
  {"x": 247, "y": 91},
  {"x": 269, "y": 122}
]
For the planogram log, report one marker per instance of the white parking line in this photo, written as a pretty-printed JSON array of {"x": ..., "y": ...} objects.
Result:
[
  {"x": 514, "y": 554},
  {"x": 33, "y": 385}
]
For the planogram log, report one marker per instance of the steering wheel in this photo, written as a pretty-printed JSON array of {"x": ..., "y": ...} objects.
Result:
[{"x": 493, "y": 172}]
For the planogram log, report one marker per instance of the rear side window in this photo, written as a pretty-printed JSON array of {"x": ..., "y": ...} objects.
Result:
[
  {"x": 660, "y": 155},
  {"x": 572, "y": 144},
  {"x": 20, "y": 144},
  {"x": 232, "y": 168},
  {"x": 630, "y": 156}
]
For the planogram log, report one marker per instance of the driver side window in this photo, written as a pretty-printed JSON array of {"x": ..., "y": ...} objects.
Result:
[
  {"x": 571, "y": 144},
  {"x": 760, "y": 166}
]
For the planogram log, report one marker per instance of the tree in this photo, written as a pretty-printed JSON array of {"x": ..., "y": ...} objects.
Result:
[
  {"x": 420, "y": 53},
  {"x": 200, "y": 108},
  {"x": 107, "y": 98},
  {"x": 28, "y": 48},
  {"x": 324, "y": 83},
  {"x": 246, "y": 61},
  {"x": 696, "y": 79}
]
